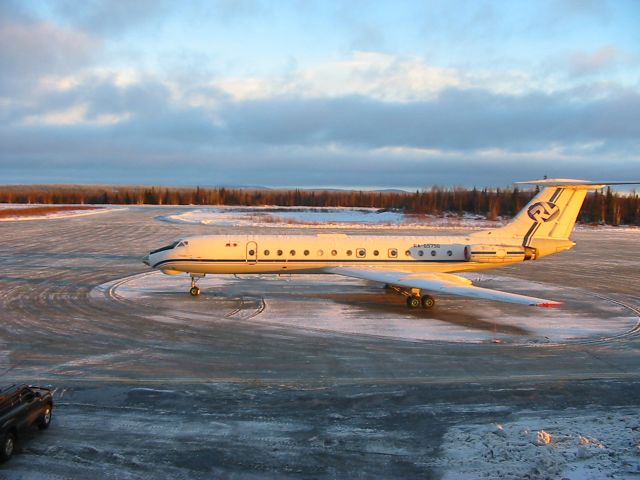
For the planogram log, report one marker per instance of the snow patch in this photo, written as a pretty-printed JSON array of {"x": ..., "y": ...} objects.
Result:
[
  {"x": 573, "y": 445},
  {"x": 348, "y": 217},
  {"x": 325, "y": 217}
]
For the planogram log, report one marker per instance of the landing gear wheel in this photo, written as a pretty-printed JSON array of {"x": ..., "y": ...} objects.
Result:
[
  {"x": 413, "y": 302},
  {"x": 194, "y": 290},
  {"x": 428, "y": 301},
  {"x": 7, "y": 447},
  {"x": 45, "y": 419}
]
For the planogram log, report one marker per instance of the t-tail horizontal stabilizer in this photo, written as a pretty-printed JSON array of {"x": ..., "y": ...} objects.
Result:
[{"x": 570, "y": 182}]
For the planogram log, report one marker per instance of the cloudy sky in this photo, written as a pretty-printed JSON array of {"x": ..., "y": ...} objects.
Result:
[{"x": 318, "y": 93}]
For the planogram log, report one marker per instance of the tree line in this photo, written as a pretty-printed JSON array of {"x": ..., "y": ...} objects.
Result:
[{"x": 601, "y": 207}]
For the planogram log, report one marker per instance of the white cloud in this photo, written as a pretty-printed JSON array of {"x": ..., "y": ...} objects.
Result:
[
  {"x": 386, "y": 77},
  {"x": 69, "y": 116},
  {"x": 371, "y": 74},
  {"x": 75, "y": 115},
  {"x": 410, "y": 151}
]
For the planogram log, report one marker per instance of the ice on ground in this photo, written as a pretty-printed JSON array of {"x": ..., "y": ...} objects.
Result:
[
  {"x": 335, "y": 304},
  {"x": 325, "y": 217},
  {"x": 574, "y": 445}
]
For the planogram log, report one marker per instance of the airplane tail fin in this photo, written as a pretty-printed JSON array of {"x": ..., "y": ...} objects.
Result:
[{"x": 543, "y": 226}]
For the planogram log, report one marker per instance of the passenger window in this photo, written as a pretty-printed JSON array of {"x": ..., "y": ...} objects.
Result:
[
  {"x": 292, "y": 253},
  {"x": 349, "y": 253},
  {"x": 334, "y": 252},
  {"x": 320, "y": 253},
  {"x": 407, "y": 253},
  {"x": 252, "y": 252},
  {"x": 306, "y": 253},
  {"x": 361, "y": 252},
  {"x": 433, "y": 253},
  {"x": 376, "y": 253},
  {"x": 420, "y": 253},
  {"x": 266, "y": 253},
  {"x": 279, "y": 253},
  {"x": 393, "y": 253},
  {"x": 449, "y": 253}
]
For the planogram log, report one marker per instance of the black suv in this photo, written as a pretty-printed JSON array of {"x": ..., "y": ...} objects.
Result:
[{"x": 21, "y": 407}]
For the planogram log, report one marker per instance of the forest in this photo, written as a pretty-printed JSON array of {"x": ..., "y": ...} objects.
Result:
[{"x": 601, "y": 207}]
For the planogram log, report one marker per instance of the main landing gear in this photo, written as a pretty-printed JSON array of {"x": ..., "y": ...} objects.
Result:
[
  {"x": 415, "y": 299},
  {"x": 195, "y": 290}
]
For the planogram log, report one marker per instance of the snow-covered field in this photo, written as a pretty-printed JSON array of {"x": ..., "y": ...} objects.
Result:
[
  {"x": 341, "y": 218},
  {"x": 329, "y": 217}
]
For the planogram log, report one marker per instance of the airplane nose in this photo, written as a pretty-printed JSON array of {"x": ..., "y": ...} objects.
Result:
[{"x": 145, "y": 260}]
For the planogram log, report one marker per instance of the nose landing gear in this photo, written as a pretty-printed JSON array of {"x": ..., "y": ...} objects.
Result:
[{"x": 195, "y": 290}]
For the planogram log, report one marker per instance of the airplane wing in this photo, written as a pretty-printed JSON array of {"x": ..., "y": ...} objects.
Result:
[{"x": 439, "y": 283}]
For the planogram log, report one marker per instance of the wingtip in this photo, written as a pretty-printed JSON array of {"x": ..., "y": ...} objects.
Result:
[{"x": 548, "y": 304}]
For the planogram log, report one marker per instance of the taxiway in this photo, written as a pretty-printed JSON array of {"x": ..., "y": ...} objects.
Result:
[{"x": 275, "y": 377}]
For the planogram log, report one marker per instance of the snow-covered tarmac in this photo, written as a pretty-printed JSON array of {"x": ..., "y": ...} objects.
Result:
[
  {"x": 314, "y": 377},
  {"x": 357, "y": 307}
]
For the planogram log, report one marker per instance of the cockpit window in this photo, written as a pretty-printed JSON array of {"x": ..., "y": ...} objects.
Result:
[
  {"x": 183, "y": 243},
  {"x": 168, "y": 247}
]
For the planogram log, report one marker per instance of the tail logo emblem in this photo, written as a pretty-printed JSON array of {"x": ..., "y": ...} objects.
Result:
[{"x": 543, "y": 211}]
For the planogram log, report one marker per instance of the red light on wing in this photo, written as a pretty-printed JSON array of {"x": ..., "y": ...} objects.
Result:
[{"x": 549, "y": 304}]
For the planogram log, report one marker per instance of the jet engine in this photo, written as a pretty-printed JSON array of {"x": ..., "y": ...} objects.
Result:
[{"x": 496, "y": 253}]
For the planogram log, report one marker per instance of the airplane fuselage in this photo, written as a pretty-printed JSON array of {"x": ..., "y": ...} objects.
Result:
[{"x": 315, "y": 253}]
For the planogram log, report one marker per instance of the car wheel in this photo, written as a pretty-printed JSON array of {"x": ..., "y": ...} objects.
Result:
[
  {"x": 45, "y": 419},
  {"x": 8, "y": 446}
]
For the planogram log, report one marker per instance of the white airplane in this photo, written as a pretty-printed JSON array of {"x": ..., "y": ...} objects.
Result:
[{"x": 409, "y": 264}]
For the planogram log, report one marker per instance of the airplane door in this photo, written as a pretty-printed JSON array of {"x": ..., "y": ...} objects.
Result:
[{"x": 252, "y": 252}]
